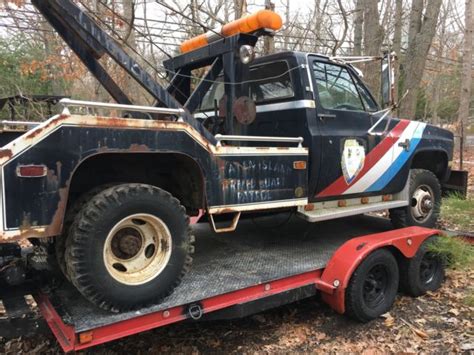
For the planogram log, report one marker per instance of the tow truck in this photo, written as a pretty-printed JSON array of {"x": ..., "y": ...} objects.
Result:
[{"x": 108, "y": 200}]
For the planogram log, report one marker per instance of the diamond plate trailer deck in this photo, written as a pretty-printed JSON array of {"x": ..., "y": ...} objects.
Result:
[{"x": 258, "y": 267}]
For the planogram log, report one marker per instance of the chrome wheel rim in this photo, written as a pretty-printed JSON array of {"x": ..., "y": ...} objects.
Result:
[
  {"x": 422, "y": 203},
  {"x": 137, "y": 249}
]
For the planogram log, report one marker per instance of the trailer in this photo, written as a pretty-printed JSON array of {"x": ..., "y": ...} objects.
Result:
[{"x": 279, "y": 261}]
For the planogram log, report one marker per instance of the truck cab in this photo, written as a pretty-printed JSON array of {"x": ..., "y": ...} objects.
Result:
[{"x": 353, "y": 152}]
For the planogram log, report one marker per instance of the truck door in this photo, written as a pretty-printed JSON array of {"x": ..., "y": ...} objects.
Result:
[{"x": 343, "y": 114}]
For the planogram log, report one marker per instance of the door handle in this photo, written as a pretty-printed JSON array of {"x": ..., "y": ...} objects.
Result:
[{"x": 323, "y": 116}]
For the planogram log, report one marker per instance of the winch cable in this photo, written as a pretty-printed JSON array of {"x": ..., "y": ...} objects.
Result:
[
  {"x": 119, "y": 36},
  {"x": 189, "y": 18},
  {"x": 134, "y": 50},
  {"x": 132, "y": 27}
]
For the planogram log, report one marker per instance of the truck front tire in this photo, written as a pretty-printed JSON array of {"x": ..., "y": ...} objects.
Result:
[
  {"x": 424, "y": 201},
  {"x": 129, "y": 246}
]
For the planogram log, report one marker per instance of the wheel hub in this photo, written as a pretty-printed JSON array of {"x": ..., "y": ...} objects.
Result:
[
  {"x": 428, "y": 268},
  {"x": 422, "y": 203},
  {"x": 126, "y": 243},
  {"x": 375, "y": 286},
  {"x": 137, "y": 249}
]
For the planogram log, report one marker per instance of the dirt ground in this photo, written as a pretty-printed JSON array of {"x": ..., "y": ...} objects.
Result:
[{"x": 438, "y": 322}]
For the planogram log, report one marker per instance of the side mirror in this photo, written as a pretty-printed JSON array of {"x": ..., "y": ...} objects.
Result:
[{"x": 387, "y": 81}]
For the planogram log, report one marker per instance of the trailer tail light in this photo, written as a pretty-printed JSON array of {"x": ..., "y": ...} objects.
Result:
[
  {"x": 31, "y": 171},
  {"x": 263, "y": 19},
  {"x": 86, "y": 337}
]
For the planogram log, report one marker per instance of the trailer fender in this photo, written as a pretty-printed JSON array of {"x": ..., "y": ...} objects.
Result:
[{"x": 337, "y": 274}]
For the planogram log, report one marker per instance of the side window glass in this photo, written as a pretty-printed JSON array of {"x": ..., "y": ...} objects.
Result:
[
  {"x": 270, "y": 82},
  {"x": 216, "y": 92},
  {"x": 369, "y": 103},
  {"x": 336, "y": 88},
  {"x": 267, "y": 82}
]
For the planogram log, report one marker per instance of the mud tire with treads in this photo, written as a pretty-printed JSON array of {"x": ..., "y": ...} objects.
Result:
[{"x": 129, "y": 246}]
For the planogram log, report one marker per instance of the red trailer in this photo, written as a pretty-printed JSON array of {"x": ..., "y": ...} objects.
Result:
[{"x": 248, "y": 272}]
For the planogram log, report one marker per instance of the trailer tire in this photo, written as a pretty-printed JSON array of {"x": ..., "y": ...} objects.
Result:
[
  {"x": 422, "y": 273},
  {"x": 373, "y": 286},
  {"x": 129, "y": 246},
  {"x": 424, "y": 189}
]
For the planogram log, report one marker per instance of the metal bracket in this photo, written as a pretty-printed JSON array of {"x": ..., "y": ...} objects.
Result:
[
  {"x": 371, "y": 129},
  {"x": 231, "y": 228}
]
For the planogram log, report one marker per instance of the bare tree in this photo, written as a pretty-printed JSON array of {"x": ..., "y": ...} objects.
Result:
[
  {"x": 240, "y": 8},
  {"x": 358, "y": 26},
  {"x": 269, "y": 42},
  {"x": 373, "y": 38},
  {"x": 422, "y": 28},
  {"x": 466, "y": 78},
  {"x": 397, "y": 38}
]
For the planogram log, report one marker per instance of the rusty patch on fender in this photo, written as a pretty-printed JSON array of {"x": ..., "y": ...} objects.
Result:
[
  {"x": 5, "y": 153},
  {"x": 36, "y": 131},
  {"x": 139, "y": 148},
  {"x": 28, "y": 231},
  {"x": 57, "y": 221}
]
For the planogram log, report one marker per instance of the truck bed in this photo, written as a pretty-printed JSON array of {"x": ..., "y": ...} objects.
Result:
[{"x": 254, "y": 254}]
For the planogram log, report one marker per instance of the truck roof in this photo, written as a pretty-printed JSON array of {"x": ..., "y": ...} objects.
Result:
[{"x": 299, "y": 56}]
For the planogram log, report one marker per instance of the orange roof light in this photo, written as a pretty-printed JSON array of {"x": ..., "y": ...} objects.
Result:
[{"x": 251, "y": 23}]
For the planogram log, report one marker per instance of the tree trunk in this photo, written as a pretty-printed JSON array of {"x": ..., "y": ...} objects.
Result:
[
  {"x": 373, "y": 38},
  {"x": 269, "y": 42},
  {"x": 466, "y": 81},
  {"x": 437, "y": 81},
  {"x": 421, "y": 31},
  {"x": 358, "y": 25},
  {"x": 133, "y": 90},
  {"x": 397, "y": 42},
  {"x": 240, "y": 8}
]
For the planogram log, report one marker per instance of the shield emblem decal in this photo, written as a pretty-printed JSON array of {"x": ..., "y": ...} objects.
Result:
[{"x": 353, "y": 158}]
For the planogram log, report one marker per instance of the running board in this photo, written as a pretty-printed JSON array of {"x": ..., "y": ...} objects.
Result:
[{"x": 325, "y": 213}]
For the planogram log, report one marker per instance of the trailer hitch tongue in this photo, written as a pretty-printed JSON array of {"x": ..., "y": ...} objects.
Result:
[{"x": 195, "y": 311}]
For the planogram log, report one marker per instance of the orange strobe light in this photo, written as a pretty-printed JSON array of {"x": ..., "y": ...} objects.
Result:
[{"x": 257, "y": 21}]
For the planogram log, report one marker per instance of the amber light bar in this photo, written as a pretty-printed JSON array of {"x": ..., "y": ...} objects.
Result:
[{"x": 263, "y": 19}]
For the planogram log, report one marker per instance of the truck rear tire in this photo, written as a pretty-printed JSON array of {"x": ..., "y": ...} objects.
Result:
[
  {"x": 60, "y": 241},
  {"x": 425, "y": 201},
  {"x": 129, "y": 246},
  {"x": 422, "y": 273},
  {"x": 373, "y": 286}
]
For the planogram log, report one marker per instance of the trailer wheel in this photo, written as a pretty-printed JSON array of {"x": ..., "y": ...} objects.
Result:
[
  {"x": 129, "y": 246},
  {"x": 424, "y": 272},
  {"x": 424, "y": 204},
  {"x": 373, "y": 286}
]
